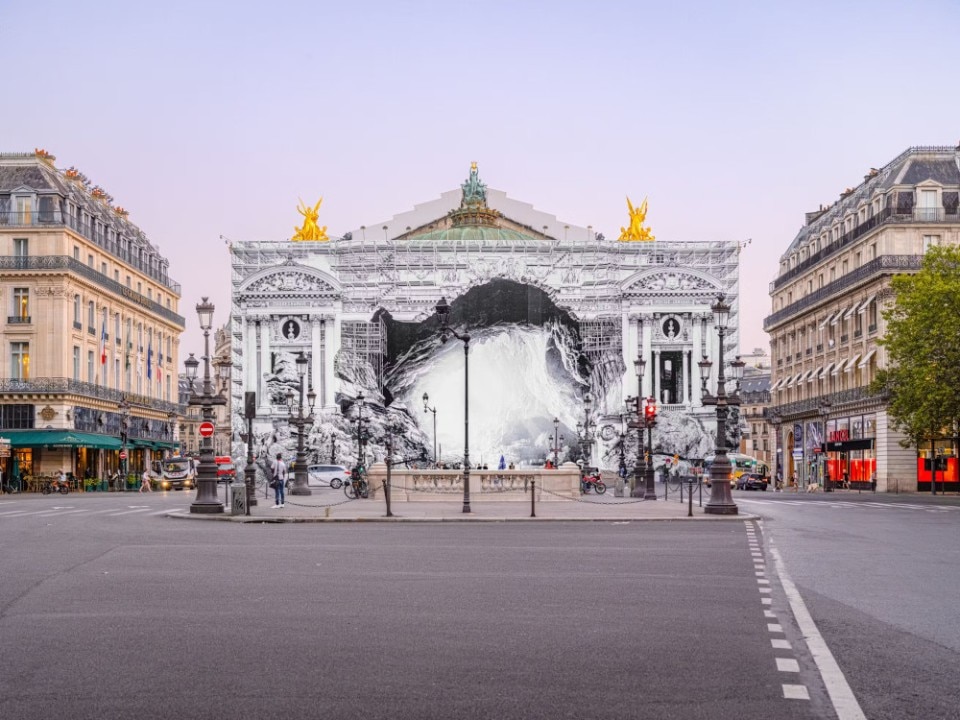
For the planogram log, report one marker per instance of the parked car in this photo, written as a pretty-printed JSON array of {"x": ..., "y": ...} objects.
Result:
[
  {"x": 333, "y": 475},
  {"x": 752, "y": 481}
]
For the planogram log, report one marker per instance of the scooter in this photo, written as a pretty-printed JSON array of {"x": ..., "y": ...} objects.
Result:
[{"x": 592, "y": 481}]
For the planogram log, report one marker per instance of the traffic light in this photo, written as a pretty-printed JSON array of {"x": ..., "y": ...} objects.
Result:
[{"x": 650, "y": 411}]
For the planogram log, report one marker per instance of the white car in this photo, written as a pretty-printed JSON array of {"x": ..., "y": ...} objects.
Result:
[{"x": 327, "y": 475}]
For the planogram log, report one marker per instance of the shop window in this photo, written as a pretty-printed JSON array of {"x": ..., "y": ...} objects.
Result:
[{"x": 17, "y": 417}]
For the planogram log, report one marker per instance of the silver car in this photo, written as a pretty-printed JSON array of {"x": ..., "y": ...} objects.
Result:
[{"x": 333, "y": 475}]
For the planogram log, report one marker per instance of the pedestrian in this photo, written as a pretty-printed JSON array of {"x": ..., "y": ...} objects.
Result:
[
  {"x": 278, "y": 481},
  {"x": 145, "y": 481}
]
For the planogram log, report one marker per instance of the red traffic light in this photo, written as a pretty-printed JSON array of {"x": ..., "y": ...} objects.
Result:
[{"x": 650, "y": 410}]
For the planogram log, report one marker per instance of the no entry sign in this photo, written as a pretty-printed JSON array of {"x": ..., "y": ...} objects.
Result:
[
  {"x": 123, "y": 454},
  {"x": 205, "y": 429}
]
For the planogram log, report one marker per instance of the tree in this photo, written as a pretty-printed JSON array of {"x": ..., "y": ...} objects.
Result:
[{"x": 923, "y": 348}]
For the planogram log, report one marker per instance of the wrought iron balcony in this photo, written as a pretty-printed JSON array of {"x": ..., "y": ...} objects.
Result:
[
  {"x": 54, "y": 218},
  {"x": 886, "y": 216},
  {"x": 59, "y": 385},
  {"x": 69, "y": 264},
  {"x": 811, "y": 406},
  {"x": 883, "y": 265},
  {"x": 18, "y": 319}
]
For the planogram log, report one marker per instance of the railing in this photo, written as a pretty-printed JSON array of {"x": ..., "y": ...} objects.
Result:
[
  {"x": 886, "y": 216},
  {"x": 69, "y": 264},
  {"x": 54, "y": 218},
  {"x": 882, "y": 264},
  {"x": 18, "y": 319},
  {"x": 812, "y": 405},
  {"x": 86, "y": 389}
]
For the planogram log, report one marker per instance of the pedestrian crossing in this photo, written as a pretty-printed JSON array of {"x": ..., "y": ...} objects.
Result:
[
  {"x": 867, "y": 505},
  {"x": 13, "y": 511}
]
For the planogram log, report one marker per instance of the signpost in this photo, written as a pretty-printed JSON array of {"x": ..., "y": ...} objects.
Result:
[
  {"x": 123, "y": 454},
  {"x": 206, "y": 429}
]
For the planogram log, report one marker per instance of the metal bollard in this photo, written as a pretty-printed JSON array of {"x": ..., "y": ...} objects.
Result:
[{"x": 533, "y": 498}]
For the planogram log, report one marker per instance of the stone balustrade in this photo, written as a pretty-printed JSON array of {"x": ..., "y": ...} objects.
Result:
[{"x": 424, "y": 485}]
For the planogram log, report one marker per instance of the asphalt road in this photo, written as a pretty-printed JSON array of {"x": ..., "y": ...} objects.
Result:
[
  {"x": 109, "y": 609},
  {"x": 880, "y": 575}
]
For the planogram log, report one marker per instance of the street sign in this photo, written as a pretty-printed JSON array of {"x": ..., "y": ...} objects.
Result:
[
  {"x": 123, "y": 454},
  {"x": 4, "y": 447},
  {"x": 205, "y": 429}
]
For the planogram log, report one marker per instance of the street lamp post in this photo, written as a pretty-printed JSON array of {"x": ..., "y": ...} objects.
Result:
[
  {"x": 824, "y": 411},
  {"x": 721, "y": 499},
  {"x": 640, "y": 469},
  {"x": 206, "y": 501},
  {"x": 359, "y": 403},
  {"x": 302, "y": 423},
  {"x": 333, "y": 450},
  {"x": 649, "y": 421},
  {"x": 124, "y": 407},
  {"x": 557, "y": 442},
  {"x": 250, "y": 471},
  {"x": 443, "y": 312},
  {"x": 426, "y": 409}
]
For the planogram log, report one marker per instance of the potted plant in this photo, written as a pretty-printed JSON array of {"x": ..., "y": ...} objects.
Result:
[{"x": 91, "y": 484}]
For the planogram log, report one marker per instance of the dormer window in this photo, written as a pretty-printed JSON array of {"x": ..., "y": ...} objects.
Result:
[{"x": 928, "y": 205}]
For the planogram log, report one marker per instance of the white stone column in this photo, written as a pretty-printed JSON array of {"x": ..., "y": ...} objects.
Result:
[
  {"x": 316, "y": 365},
  {"x": 249, "y": 355},
  {"x": 697, "y": 357},
  {"x": 647, "y": 325},
  {"x": 331, "y": 346},
  {"x": 686, "y": 378},
  {"x": 627, "y": 331},
  {"x": 656, "y": 376},
  {"x": 264, "y": 367}
]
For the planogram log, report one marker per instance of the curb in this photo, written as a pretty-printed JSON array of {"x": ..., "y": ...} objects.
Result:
[{"x": 252, "y": 519}]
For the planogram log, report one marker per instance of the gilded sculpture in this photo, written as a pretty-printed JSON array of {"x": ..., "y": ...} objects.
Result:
[
  {"x": 636, "y": 231},
  {"x": 310, "y": 229}
]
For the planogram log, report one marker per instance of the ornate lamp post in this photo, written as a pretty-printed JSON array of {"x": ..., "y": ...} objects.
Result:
[
  {"x": 333, "y": 450},
  {"x": 649, "y": 421},
  {"x": 124, "y": 407},
  {"x": 640, "y": 470},
  {"x": 585, "y": 430},
  {"x": 775, "y": 422},
  {"x": 302, "y": 423},
  {"x": 557, "y": 442},
  {"x": 206, "y": 501},
  {"x": 426, "y": 409},
  {"x": 443, "y": 312},
  {"x": 824, "y": 411},
  {"x": 360, "y": 399},
  {"x": 250, "y": 471},
  {"x": 721, "y": 499}
]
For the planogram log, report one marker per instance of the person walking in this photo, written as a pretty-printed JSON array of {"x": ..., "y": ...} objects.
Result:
[
  {"x": 279, "y": 481},
  {"x": 145, "y": 481}
]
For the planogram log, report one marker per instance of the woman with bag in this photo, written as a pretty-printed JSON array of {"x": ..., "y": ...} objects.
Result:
[{"x": 279, "y": 480}]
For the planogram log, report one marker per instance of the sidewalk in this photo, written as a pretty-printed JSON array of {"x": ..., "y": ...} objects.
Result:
[{"x": 330, "y": 508}]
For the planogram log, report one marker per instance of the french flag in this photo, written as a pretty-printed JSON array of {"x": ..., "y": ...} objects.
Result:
[{"x": 103, "y": 339}]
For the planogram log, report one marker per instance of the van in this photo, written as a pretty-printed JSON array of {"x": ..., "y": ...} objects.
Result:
[{"x": 226, "y": 470}]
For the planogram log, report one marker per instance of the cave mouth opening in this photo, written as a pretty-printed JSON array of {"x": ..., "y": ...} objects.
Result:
[{"x": 525, "y": 370}]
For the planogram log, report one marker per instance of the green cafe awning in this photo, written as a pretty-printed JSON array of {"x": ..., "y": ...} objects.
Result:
[{"x": 60, "y": 438}]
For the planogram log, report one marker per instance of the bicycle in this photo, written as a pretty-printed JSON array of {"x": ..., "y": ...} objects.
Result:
[
  {"x": 356, "y": 488},
  {"x": 55, "y": 486}
]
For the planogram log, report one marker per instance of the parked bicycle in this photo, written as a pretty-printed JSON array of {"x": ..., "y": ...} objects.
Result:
[{"x": 357, "y": 487}]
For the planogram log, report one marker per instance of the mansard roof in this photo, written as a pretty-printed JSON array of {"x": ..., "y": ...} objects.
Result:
[{"x": 940, "y": 164}]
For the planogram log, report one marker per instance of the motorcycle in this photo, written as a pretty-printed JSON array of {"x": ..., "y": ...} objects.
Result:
[{"x": 592, "y": 481}]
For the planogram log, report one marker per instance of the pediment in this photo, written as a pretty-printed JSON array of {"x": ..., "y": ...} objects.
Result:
[
  {"x": 290, "y": 279},
  {"x": 679, "y": 282}
]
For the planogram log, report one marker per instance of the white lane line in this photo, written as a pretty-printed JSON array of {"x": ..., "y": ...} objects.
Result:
[
  {"x": 775, "y": 627},
  {"x": 766, "y": 601},
  {"x": 844, "y": 701},
  {"x": 168, "y": 511},
  {"x": 762, "y": 581},
  {"x": 788, "y": 665},
  {"x": 128, "y": 512},
  {"x": 764, "y": 589},
  {"x": 770, "y": 614},
  {"x": 795, "y": 692},
  {"x": 779, "y": 644},
  {"x": 58, "y": 513}
]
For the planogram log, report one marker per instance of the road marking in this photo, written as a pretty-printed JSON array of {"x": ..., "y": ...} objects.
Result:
[
  {"x": 766, "y": 601},
  {"x": 844, "y": 701},
  {"x": 62, "y": 512},
  {"x": 788, "y": 665},
  {"x": 763, "y": 581},
  {"x": 779, "y": 644},
  {"x": 796, "y": 692},
  {"x": 775, "y": 627},
  {"x": 770, "y": 614},
  {"x": 764, "y": 589},
  {"x": 127, "y": 512}
]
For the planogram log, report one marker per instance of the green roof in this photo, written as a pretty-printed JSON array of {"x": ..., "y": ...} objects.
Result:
[{"x": 475, "y": 233}]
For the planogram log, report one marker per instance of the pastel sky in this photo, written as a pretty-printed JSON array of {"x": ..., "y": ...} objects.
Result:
[{"x": 735, "y": 118}]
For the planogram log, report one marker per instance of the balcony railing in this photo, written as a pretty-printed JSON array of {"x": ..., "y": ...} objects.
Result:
[
  {"x": 884, "y": 217},
  {"x": 885, "y": 264},
  {"x": 18, "y": 319},
  {"x": 85, "y": 389},
  {"x": 789, "y": 411},
  {"x": 54, "y": 218},
  {"x": 69, "y": 264}
]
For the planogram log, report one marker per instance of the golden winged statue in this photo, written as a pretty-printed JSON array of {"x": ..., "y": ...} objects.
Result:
[
  {"x": 310, "y": 229},
  {"x": 636, "y": 231}
]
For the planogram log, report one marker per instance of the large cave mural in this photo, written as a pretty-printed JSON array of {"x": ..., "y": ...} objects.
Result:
[{"x": 554, "y": 311}]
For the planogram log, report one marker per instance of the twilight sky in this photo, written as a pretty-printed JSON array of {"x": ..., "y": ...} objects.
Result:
[{"x": 206, "y": 119}]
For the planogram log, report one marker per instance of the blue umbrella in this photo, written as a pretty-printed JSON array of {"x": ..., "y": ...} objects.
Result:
[{"x": 503, "y": 464}]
